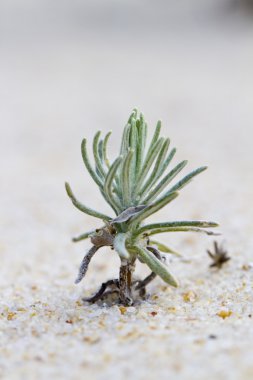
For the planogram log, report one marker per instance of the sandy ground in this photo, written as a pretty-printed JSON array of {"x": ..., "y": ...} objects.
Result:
[{"x": 67, "y": 71}]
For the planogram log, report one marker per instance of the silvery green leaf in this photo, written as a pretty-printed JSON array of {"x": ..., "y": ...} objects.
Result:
[
  {"x": 194, "y": 226},
  {"x": 155, "y": 231},
  {"x": 164, "y": 248},
  {"x": 82, "y": 207},
  {"x": 104, "y": 150},
  {"x": 108, "y": 184},
  {"x": 184, "y": 181},
  {"x": 154, "y": 207},
  {"x": 87, "y": 163},
  {"x": 82, "y": 236},
  {"x": 157, "y": 266}
]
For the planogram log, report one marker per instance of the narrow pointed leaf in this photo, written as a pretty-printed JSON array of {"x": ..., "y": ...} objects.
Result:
[
  {"x": 154, "y": 207},
  {"x": 183, "y": 223},
  {"x": 164, "y": 182},
  {"x": 166, "y": 163},
  {"x": 157, "y": 266},
  {"x": 155, "y": 231},
  {"x": 145, "y": 129},
  {"x": 108, "y": 188},
  {"x": 105, "y": 143},
  {"x": 82, "y": 236},
  {"x": 133, "y": 115},
  {"x": 125, "y": 140},
  {"x": 164, "y": 248},
  {"x": 125, "y": 176},
  {"x": 87, "y": 163},
  {"x": 154, "y": 175},
  {"x": 82, "y": 207},
  {"x": 156, "y": 135},
  {"x": 147, "y": 164},
  {"x": 133, "y": 145},
  {"x": 99, "y": 164},
  {"x": 100, "y": 150},
  {"x": 140, "y": 146},
  {"x": 183, "y": 182}
]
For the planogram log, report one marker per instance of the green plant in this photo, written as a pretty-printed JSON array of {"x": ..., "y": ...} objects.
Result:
[{"x": 135, "y": 186}]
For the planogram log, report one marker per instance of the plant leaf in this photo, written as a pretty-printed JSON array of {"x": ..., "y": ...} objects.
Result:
[
  {"x": 82, "y": 236},
  {"x": 141, "y": 145},
  {"x": 166, "y": 162},
  {"x": 178, "y": 224},
  {"x": 154, "y": 207},
  {"x": 184, "y": 181},
  {"x": 159, "y": 162},
  {"x": 126, "y": 186},
  {"x": 165, "y": 181},
  {"x": 105, "y": 142},
  {"x": 155, "y": 136},
  {"x": 99, "y": 164},
  {"x": 84, "y": 208},
  {"x": 87, "y": 163},
  {"x": 133, "y": 141},
  {"x": 164, "y": 248},
  {"x": 125, "y": 140},
  {"x": 157, "y": 266},
  {"x": 151, "y": 155},
  {"x": 174, "y": 229},
  {"x": 108, "y": 189}
]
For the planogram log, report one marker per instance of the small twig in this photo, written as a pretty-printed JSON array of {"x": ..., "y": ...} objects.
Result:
[
  {"x": 142, "y": 284},
  {"x": 101, "y": 291},
  {"x": 219, "y": 257},
  {"x": 85, "y": 263}
]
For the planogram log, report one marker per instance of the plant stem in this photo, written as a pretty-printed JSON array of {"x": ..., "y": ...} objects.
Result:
[{"x": 125, "y": 281}]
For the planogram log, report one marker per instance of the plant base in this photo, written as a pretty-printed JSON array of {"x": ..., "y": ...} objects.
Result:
[{"x": 125, "y": 286}]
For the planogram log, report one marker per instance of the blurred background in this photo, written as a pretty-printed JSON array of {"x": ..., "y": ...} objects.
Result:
[{"x": 69, "y": 68}]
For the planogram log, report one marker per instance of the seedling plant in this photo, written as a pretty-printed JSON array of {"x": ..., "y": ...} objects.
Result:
[{"x": 136, "y": 185}]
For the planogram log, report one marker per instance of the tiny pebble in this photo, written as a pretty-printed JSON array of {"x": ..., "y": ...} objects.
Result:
[{"x": 224, "y": 313}]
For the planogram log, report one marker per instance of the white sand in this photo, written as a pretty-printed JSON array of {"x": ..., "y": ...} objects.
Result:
[{"x": 61, "y": 81}]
